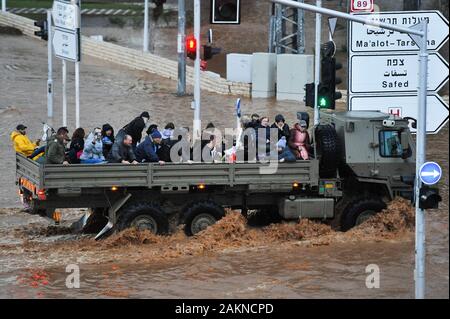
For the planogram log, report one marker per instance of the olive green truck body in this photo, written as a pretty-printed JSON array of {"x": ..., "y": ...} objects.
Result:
[{"x": 353, "y": 172}]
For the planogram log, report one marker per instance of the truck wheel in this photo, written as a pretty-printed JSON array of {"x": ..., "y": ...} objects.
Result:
[
  {"x": 327, "y": 147},
  {"x": 143, "y": 216},
  {"x": 200, "y": 215},
  {"x": 359, "y": 211}
]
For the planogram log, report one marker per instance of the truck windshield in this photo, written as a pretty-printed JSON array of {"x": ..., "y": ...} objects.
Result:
[{"x": 390, "y": 144}]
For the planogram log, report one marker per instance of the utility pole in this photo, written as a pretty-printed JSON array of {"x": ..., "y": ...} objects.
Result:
[
  {"x": 181, "y": 88},
  {"x": 4, "y": 5},
  {"x": 77, "y": 74},
  {"x": 420, "y": 160},
  {"x": 64, "y": 93},
  {"x": 145, "y": 48},
  {"x": 50, "y": 66},
  {"x": 197, "y": 103},
  {"x": 317, "y": 63}
]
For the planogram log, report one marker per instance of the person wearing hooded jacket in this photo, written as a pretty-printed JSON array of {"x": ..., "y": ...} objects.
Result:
[
  {"x": 107, "y": 138},
  {"x": 134, "y": 129},
  {"x": 93, "y": 148}
]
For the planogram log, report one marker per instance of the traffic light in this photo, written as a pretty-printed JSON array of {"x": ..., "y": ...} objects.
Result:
[
  {"x": 225, "y": 11},
  {"x": 209, "y": 51},
  {"x": 429, "y": 198},
  {"x": 191, "y": 47},
  {"x": 309, "y": 95},
  {"x": 327, "y": 89},
  {"x": 43, "y": 33}
]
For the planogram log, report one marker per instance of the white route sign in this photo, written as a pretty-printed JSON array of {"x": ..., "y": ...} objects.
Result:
[
  {"x": 395, "y": 73},
  {"x": 66, "y": 45},
  {"x": 364, "y": 38},
  {"x": 65, "y": 15},
  {"x": 405, "y": 106}
]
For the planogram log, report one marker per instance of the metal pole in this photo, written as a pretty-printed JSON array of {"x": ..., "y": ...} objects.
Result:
[
  {"x": 347, "y": 16},
  {"x": 50, "y": 66},
  {"x": 317, "y": 64},
  {"x": 4, "y": 5},
  {"x": 420, "y": 159},
  {"x": 77, "y": 94},
  {"x": 181, "y": 88},
  {"x": 145, "y": 48},
  {"x": 64, "y": 89},
  {"x": 197, "y": 104}
]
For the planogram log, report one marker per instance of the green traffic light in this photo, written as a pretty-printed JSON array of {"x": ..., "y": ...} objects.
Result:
[{"x": 323, "y": 102}]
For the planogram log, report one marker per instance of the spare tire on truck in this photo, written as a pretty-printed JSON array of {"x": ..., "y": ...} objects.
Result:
[
  {"x": 328, "y": 149},
  {"x": 143, "y": 216}
]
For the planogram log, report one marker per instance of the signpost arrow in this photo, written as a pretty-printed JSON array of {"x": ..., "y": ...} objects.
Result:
[
  {"x": 395, "y": 73},
  {"x": 405, "y": 106},
  {"x": 364, "y": 38},
  {"x": 430, "y": 173}
]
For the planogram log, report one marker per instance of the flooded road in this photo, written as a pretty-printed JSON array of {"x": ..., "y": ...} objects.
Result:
[{"x": 236, "y": 263}]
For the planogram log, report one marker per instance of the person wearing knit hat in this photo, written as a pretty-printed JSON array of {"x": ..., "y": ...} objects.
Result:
[{"x": 146, "y": 152}]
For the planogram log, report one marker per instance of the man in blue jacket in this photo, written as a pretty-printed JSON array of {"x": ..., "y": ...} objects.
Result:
[{"x": 146, "y": 151}]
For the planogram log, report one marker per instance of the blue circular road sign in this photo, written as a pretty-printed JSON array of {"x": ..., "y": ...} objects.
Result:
[{"x": 430, "y": 173}]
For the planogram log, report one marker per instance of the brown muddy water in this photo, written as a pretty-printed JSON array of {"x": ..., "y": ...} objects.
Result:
[{"x": 229, "y": 260}]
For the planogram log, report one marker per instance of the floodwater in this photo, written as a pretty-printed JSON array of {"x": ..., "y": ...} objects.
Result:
[{"x": 281, "y": 262}]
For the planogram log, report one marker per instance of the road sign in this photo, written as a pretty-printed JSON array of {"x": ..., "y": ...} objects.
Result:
[
  {"x": 405, "y": 106},
  {"x": 66, "y": 45},
  {"x": 65, "y": 15},
  {"x": 395, "y": 73},
  {"x": 364, "y": 38},
  {"x": 430, "y": 173},
  {"x": 361, "y": 5}
]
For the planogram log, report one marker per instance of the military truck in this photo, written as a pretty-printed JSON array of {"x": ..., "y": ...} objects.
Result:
[{"x": 360, "y": 160}]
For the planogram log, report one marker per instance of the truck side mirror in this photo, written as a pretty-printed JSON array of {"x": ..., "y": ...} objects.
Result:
[{"x": 404, "y": 139}]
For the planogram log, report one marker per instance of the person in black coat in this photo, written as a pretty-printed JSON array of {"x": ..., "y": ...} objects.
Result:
[
  {"x": 146, "y": 152},
  {"x": 107, "y": 139},
  {"x": 134, "y": 129},
  {"x": 122, "y": 152},
  {"x": 283, "y": 128},
  {"x": 76, "y": 146}
]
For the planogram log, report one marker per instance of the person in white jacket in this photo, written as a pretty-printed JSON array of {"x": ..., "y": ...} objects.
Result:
[{"x": 93, "y": 148}]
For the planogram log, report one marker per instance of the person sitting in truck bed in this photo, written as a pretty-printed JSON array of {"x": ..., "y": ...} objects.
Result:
[
  {"x": 299, "y": 141},
  {"x": 283, "y": 128},
  {"x": 122, "y": 151},
  {"x": 55, "y": 151},
  {"x": 93, "y": 148},
  {"x": 23, "y": 145},
  {"x": 146, "y": 152},
  {"x": 76, "y": 146},
  {"x": 107, "y": 138},
  {"x": 134, "y": 129}
]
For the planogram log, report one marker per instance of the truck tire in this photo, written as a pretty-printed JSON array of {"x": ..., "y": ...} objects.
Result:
[
  {"x": 327, "y": 147},
  {"x": 143, "y": 216},
  {"x": 358, "y": 210},
  {"x": 200, "y": 215}
]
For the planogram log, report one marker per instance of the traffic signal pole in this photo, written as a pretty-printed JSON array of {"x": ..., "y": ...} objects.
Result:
[
  {"x": 317, "y": 64},
  {"x": 419, "y": 35},
  {"x": 181, "y": 87},
  {"x": 50, "y": 66},
  {"x": 197, "y": 104},
  {"x": 145, "y": 44}
]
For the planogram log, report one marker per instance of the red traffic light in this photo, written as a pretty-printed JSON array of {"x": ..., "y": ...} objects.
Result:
[{"x": 191, "y": 47}]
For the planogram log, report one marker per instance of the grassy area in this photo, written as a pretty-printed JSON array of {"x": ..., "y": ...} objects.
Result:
[{"x": 84, "y": 5}]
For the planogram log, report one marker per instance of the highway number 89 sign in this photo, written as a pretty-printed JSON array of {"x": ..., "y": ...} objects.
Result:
[{"x": 361, "y": 5}]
